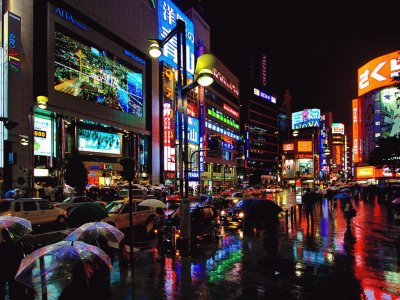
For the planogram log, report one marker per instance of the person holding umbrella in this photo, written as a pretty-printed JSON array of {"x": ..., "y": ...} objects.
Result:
[{"x": 348, "y": 210}]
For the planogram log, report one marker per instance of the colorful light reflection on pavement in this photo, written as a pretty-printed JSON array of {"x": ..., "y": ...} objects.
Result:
[{"x": 324, "y": 260}]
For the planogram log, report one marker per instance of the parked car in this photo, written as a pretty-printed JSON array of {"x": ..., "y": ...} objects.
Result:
[
  {"x": 202, "y": 218},
  {"x": 36, "y": 210},
  {"x": 70, "y": 202},
  {"x": 118, "y": 214}
]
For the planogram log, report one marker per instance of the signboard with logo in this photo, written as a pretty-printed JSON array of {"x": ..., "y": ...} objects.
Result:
[
  {"x": 337, "y": 128},
  {"x": 306, "y": 118},
  {"x": 379, "y": 72},
  {"x": 168, "y": 120},
  {"x": 91, "y": 73},
  {"x": 193, "y": 130},
  {"x": 365, "y": 172},
  {"x": 168, "y": 13},
  {"x": 42, "y": 136},
  {"x": 304, "y": 146},
  {"x": 288, "y": 147},
  {"x": 356, "y": 134}
]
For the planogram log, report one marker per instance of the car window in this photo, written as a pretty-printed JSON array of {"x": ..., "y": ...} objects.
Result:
[
  {"x": 137, "y": 192},
  {"x": 44, "y": 205},
  {"x": 17, "y": 206},
  {"x": 4, "y": 206},
  {"x": 29, "y": 205},
  {"x": 114, "y": 207},
  {"x": 140, "y": 208},
  {"x": 126, "y": 209}
]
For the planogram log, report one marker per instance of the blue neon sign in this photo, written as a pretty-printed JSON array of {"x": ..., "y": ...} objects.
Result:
[{"x": 168, "y": 13}]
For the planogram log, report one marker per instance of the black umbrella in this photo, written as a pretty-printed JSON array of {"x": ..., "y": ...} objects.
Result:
[
  {"x": 85, "y": 213},
  {"x": 262, "y": 210}
]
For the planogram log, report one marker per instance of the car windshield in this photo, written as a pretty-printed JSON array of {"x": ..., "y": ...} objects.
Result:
[
  {"x": 4, "y": 206},
  {"x": 242, "y": 204},
  {"x": 114, "y": 207}
]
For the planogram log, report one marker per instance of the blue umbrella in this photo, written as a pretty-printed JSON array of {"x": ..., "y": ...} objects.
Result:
[{"x": 342, "y": 196}]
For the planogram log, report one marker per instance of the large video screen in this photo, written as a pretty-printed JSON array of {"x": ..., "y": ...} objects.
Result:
[
  {"x": 93, "y": 74},
  {"x": 93, "y": 141},
  {"x": 390, "y": 112},
  {"x": 306, "y": 118}
]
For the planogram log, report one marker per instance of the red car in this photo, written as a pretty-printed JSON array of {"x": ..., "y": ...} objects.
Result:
[{"x": 174, "y": 200}]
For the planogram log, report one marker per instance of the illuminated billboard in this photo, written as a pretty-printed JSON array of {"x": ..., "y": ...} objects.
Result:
[
  {"x": 378, "y": 72},
  {"x": 356, "y": 131},
  {"x": 93, "y": 141},
  {"x": 168, "y": 13},
  {"x": 337, "y": 128},
  {"x": 306, "y": 118},
  {"x": 42, "y": 136},
  {"x": 304, "y": 146},
  {"x": 85, "y": 71},
  {"x": 390, "y": 112},
  {"x": 365, "y": 172},
  {"x": 288, "y": 147}
]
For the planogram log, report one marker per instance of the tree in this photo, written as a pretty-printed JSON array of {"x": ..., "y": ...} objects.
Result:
[
  {"x": 386, "y": 153},
  {"x": 76, "y": 175}
]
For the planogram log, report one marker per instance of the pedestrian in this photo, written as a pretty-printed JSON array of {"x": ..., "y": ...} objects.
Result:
[
  {"x": 159, "y": 224},
  {"x": 10, "y": 258},
  {"x": 78, "y": 289},
  {"x": 308, "y": 202},
  {"x": 348, "y": 211}
]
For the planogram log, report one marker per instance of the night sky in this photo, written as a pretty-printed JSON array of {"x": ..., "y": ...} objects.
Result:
[{"x": 315, "y": 52}]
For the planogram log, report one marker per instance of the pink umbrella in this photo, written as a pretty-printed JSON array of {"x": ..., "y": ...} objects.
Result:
[{"x": 396, "y": 201}]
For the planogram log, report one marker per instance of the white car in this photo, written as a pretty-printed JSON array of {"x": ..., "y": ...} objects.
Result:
[
  {"x": 118, "y": 214},
  {"x": 36, "y": 210}
]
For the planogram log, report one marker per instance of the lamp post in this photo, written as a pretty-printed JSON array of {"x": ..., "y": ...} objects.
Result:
[{"x": 203, "y": 77}]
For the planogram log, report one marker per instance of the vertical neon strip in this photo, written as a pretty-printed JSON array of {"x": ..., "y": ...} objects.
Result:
[{"x": 356, "y": 148}]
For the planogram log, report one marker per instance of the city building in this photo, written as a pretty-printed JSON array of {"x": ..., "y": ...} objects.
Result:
[
  {"x": 259, "y": 123},
  {"x": 375, "y": 114}
]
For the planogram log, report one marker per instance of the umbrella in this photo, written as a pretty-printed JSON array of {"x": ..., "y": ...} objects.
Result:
[
  {"x": 396, "y": 201},
  {"x": 86, "y": 212},
  {"x": 153, "y": 203},
  {"x": 15, "y": 226},
  {"x": 89, "y": 232},
  {"x": 49, "y": 269},
  {"x": 345, "y": 190},
  {"x": 342, "y": 196},
  {"x": 261, "y": 209}
]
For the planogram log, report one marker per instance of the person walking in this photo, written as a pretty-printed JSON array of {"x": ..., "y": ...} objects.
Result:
[
  {"x": 159, "y": 224},
  {"x": 78, "y": 289},
  {"x": 347, "y": 211},
  {"x": 308, "y": 203}
]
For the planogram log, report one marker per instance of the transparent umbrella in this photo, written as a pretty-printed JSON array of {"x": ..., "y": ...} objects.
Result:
[
  {"x": 89, "y": 232},
  {"x": 48, "y": 269},
  {"x": 153, "y": 203},
  {"x": 15, "y": 226}
]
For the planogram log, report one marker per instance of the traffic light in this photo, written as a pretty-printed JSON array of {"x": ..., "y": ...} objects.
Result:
[
  {"x": 214, "y": 145},
  {"x": 128, "y": 168}
]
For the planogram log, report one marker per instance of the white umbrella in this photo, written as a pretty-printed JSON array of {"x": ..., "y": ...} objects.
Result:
[{"x": 153, "y": 203}]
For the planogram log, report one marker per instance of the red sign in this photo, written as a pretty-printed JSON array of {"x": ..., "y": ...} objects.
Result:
[
  {"x": 356, "y": 133},
  {"x": 225, "y": 82},
  {"x": 288, "y": 147},
  {"x": 301, "y": 156},
  {"x": 231, "y": 110}
]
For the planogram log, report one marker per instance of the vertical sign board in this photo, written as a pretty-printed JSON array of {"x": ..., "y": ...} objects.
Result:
[
  {"x": 377, "y": 116},
  {"x": 356, "y": 141},
  {"x": 168, "y": 13},
  {"x": 2, "y": 111},
  {"x": 202, "y": 144},
  {"x": 168, "y": 119}
]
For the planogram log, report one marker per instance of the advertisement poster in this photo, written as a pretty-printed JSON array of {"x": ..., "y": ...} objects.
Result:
[
  {"x": 42, "y": 134},
  {"x": 99, "y": 142},
  {"x": 306, "y": 118},
  {"x": 90, "y": 73},
  {"x": 168, "y": 119},
  {"x": 390, "y": 112},
  {"x": 368, "y": 120}
]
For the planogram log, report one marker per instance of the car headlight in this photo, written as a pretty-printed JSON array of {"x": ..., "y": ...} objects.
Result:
[
  {"x": 235, "y": 200},
  {"x": 223, "y": 212},
  {"x": 241, "y": 215}
]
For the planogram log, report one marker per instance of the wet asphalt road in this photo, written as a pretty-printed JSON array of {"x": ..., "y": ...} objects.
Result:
[{"x": 318, "y": 260}]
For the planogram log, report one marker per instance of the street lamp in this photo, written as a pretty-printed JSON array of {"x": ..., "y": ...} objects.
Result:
[{"x": 203, "y": 76}]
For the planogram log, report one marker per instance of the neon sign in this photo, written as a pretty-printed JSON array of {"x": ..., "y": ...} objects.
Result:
[
  {"x": 265, "y": 96},
  {"x": 67, "y": 16},
  {"x": 229, "y": 85},
  {"x": 231, "y": 110}
]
